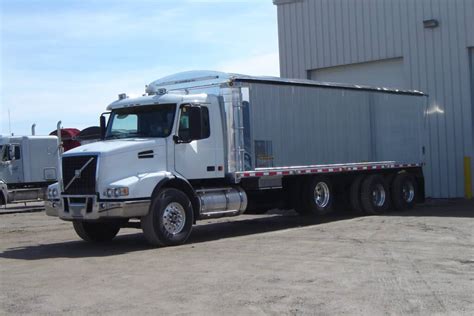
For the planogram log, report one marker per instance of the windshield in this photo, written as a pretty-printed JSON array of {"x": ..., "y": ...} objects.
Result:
[{"x": 142, "y": 121}]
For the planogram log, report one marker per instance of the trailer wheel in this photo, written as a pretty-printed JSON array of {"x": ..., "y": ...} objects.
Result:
[
  {"x": 170, "y": 219},
  {"x": 354, "y": 195},
  {"x": 403, "y": 191},
  {"x": 374, "y": 194},
  {"x": 316, "y": 197},
  {"x": 96, "y": 232}
]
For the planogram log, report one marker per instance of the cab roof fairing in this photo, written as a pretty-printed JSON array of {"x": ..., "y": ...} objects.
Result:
[
  {"x": 158, "y": 99},
  {"x": 190, "y": 79}
]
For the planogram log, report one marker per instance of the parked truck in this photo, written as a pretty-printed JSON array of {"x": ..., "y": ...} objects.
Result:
[
  {"x": 28, "y": 164},
  {"x": 201, "y": 145}
]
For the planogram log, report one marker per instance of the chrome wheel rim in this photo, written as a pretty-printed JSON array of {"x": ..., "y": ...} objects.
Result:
[
  {"x": 321, "y": 194},
  {"x": 408, "y": 192},
  {"x": 378, "y": 195},
  {"x": 174, "y": 218}
]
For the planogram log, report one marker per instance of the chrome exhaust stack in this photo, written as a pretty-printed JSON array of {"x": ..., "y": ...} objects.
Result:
[{"x": 60, "y": 154}]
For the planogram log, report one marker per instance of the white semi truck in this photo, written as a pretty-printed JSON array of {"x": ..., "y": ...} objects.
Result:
[
  {"x": 201, "y": 145},
  {"x": 28, "y": 164}
]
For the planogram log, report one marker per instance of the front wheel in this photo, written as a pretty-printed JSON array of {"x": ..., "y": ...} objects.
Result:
[
  {"x": 96, "y": 232},
  {"x": 170, "y": 219}
]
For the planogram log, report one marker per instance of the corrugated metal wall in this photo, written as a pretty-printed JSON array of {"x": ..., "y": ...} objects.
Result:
[{"x": 316, "y": 34}]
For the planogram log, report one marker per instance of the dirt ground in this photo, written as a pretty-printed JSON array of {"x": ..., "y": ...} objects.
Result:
[{"x": 416, "y": 262}]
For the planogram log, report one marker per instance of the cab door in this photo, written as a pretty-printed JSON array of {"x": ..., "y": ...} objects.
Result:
[
  {"x": 195, "y": 144},
  {"x": 12, "y": 164}
]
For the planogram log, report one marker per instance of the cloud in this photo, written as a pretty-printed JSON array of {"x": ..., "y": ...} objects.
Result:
[
  {"x": 75, "y": 100},
  {"x": 69, "y": 61},
  {"x": 78, "y": 101}
]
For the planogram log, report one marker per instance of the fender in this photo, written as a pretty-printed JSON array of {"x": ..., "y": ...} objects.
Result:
[{"x": 182, "y": 184}]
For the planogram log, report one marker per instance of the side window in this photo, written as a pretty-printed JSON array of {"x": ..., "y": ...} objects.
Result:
[
  {"x": 194, "y": 123},
  {"x": 7, "y": 154}
]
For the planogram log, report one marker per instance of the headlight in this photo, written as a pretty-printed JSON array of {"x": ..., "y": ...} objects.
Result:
[
  {"x": 109, "y": 193},
  {"x": 116, "y": 192},
  {"x": 53, "y": 193}
]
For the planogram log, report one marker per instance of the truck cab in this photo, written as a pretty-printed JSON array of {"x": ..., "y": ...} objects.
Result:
[
  {"x": 28, "y": 164},
  {"x": 148, "y": 141}
]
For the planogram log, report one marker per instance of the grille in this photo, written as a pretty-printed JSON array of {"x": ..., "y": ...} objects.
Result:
[{"x": 85, "y": 184}]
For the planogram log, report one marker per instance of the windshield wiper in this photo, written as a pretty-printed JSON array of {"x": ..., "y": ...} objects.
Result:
[
  {"x": 126, "y": 135},
  {"x": 137, "y": 134},
  {"x": 115, "y": 136}
]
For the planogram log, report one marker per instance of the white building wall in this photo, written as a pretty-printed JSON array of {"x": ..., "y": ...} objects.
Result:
[{"x": 315, "y": 35}]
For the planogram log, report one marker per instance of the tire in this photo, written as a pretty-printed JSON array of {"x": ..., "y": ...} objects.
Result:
[
  {"x": 96, "y": 232},
  {"x": 354, "y": 195},
  {"x": 403, "y": 191},
  {"x": 170, "y": 219},
  {"x": 374, "y": 195},
  {"x": 316, "y": 197}
]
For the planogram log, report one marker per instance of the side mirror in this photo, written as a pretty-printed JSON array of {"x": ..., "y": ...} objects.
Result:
[{"x": 103, "y": 125}]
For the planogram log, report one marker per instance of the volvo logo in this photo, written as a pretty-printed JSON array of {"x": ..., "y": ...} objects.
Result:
[{"x": 77, "y": 173}]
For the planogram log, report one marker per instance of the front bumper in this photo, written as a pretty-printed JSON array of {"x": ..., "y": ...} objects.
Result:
[{"x": 90, "y": 208}]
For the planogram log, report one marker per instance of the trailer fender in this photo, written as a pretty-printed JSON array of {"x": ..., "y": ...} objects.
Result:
[{"x": 183, "y": 185}]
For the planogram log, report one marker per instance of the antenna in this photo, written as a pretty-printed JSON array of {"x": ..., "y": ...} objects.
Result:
[{"x": 9, "y": 122}]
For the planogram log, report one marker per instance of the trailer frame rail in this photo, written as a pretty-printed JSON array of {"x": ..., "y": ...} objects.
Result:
[{"x": 324, "y": 169}]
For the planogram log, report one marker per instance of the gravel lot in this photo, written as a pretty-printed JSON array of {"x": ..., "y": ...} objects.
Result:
[{"x": 417, "y": 262}]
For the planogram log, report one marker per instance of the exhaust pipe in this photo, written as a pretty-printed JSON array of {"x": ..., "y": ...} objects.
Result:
[
  {"x": 60, "y": 154},
  {"x": 60, "y": 140},
  {"x": 33, "y": 129}
]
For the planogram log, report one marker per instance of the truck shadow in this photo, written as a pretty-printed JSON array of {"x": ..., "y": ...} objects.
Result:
[
  {"x": 205, "y": 231},
  {"x": 212, "y": 230}
]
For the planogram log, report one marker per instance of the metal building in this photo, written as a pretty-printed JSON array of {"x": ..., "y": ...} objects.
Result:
[{"x": 427, "y": 45}]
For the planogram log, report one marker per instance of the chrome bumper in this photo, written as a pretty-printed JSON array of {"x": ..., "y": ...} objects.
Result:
[{"x": 69, "y": 209}]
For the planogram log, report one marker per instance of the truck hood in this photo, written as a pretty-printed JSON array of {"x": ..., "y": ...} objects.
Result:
[{"x": 117, "y": 146}]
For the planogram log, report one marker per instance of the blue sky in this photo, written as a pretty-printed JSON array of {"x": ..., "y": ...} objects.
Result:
[{"x": 67, "y": 60}]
